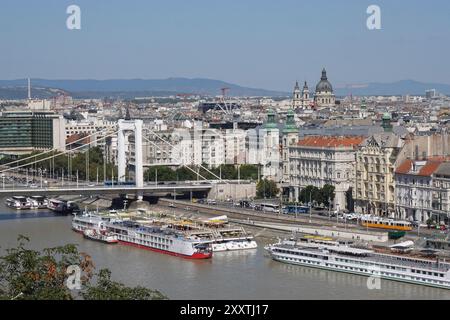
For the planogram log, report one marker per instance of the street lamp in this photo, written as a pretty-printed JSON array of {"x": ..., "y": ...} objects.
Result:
[{"x": 310, "y": 204}]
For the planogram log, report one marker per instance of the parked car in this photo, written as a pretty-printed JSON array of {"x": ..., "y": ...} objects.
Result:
[
  {"x": 415, "y": 224},
  {"x": 350, "y": 216}
]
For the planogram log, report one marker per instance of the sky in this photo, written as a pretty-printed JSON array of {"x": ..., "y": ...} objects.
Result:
[{"x": 256, "y": 43}]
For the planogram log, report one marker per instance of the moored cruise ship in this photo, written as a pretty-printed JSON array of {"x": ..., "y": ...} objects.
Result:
[
  {"x": 38, "y": 202},
  {"x": 155, "y": 238},
  {"x": 18, "y": 202},
  {"x": 364, "y": 262},
  {"x": 62, "y": 207}
]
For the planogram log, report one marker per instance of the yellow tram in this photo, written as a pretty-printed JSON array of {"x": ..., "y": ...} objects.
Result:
[{"x": 389, "y": 224}]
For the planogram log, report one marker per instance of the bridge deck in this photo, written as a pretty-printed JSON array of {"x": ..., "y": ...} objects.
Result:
[{"x": 69, "y": 190}]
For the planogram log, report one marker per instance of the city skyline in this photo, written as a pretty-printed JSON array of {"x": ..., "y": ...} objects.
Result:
[{"x": 268, "y": 45}]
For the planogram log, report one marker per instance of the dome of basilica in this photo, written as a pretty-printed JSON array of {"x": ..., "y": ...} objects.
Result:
[{"x": 324, "y": 85}]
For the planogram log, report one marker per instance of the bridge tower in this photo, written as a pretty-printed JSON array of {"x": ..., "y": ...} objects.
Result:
[{"x": 136, "y": 127}]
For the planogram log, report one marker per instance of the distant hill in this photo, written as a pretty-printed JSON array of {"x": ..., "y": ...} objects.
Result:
[
  {"x": 140, "y": 87},
  {"x": 403, "y": 87},
  {"x": 128, "y": 89}
]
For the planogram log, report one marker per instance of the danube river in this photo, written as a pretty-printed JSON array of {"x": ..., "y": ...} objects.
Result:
[{"x": 229, "y": 275}]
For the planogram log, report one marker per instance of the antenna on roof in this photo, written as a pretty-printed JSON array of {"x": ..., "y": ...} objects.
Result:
[{"x": 29, "y": 89}]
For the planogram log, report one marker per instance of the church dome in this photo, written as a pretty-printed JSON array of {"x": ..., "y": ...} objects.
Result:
[{"x": 324, "y": 85}]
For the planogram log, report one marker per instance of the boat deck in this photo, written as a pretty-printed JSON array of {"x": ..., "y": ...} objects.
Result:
[{"x": 371, "y": 256}]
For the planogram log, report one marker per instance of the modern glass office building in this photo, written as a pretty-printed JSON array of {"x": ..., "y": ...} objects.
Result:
[{"x": 27, "y": 131}]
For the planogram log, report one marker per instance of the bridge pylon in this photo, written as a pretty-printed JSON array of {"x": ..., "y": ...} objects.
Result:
[{"x": 136, "y": 127}]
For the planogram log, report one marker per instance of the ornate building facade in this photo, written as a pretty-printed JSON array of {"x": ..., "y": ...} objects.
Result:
[
  {"x": 376, "y": 161},
  {"x": 301, "y": 99},
  {"x": 319, "y": 160}
]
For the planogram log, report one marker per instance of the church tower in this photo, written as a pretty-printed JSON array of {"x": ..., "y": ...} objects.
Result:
[
  {"x": 305, "y": 96},
  {"x": 290, "y": 137},
  {"x": 271, "y": 148},
  {"x": 297, "y": 98}
]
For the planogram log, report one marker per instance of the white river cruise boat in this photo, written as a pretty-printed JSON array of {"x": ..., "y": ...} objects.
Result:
[
  {"x": 100, "y": 235},
  {"x": 155, "y": 238},
  {"x": 364, "y": 262},
  {"x": 38, "y": 202},
  {"x": 18, "y": 202},
  {"x": 233, "y": 245}
]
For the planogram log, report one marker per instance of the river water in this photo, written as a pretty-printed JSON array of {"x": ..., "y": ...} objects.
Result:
[{"x": 229, "y": 275}]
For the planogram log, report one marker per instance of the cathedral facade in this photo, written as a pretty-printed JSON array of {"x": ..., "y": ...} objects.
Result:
[{"x": 301, "y": 99}]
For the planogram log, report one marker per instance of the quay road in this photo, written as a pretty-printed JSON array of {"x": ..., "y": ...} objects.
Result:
[{"x": 305, "y": 219}]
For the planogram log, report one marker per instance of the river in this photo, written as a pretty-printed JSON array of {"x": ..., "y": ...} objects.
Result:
[{"x": 229, "y": 275}]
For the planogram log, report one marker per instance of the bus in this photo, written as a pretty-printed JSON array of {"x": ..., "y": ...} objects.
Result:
[
  {"x": 292, "y": 209},
  {"x": 120, "y": 183},
  {"x": 269, "y": 207}
]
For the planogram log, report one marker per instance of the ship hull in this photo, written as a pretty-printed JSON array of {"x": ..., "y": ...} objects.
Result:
[
  {"x": 194, "y": 256},
  {"x": 197, "y": 256},
  {"x": 363, "y": 274}
]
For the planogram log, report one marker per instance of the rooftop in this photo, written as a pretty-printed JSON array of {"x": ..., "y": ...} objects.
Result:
[
  {"x": 331, "y": 141},
  {"x": 424, "y": 168}
]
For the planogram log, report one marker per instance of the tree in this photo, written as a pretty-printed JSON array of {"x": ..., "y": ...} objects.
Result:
[
  {"x": 27, "y": 274},
  {"x": 327, "y": 194},
  {"x": 266, "y": 189},
  {"x": 106, "y": 289},
  {"x": 59, "y": 164},
  {"x": 249, "y": 172},
  {"x": 310, "y": 193},
  {"x": 184, "y": 174},
  {"x": 163, "y": 173},
  {"x": 318, "y": 195}
]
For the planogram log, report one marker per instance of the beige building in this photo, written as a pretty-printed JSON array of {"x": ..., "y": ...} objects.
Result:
[{"x": 376, "y": 160}]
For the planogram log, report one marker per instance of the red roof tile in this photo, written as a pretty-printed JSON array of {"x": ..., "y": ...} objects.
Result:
[
  {"x": 330, "y": 142},
  {"x": 404, "y": 167},
  {"x": 77, "y": 136},
  {"x": 429, "y": 168}
]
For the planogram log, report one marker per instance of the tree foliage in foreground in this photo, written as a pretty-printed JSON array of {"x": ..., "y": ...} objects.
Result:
[{"x": 27, "y": 274}]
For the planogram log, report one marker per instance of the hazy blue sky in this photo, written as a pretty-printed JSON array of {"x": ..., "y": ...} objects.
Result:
[{"x": 258, "y": 43}]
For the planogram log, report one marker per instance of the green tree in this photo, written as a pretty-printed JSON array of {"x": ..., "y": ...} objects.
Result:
[
  {"x": 106, "y": 289},
  {"x": 184, "y": 174},
  {"x": 318, "y": 195},
  {"x": 266, "y": 189},
  {"x": 77, "y": 161},
  {"x": 310, "y": 193},
  {"x": 27, "y": 274},
  {"x": 249, "y": 172},
  {"x": 226, "y": 171},
  {"x": 164, "y": 174},
  {"x": 326, "y": 194}
]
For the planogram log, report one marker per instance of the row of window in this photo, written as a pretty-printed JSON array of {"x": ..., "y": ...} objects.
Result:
[{"x": 365, "y": 270}]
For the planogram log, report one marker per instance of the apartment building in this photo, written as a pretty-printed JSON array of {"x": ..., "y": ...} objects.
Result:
[{"x": 321, "y": 160}]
